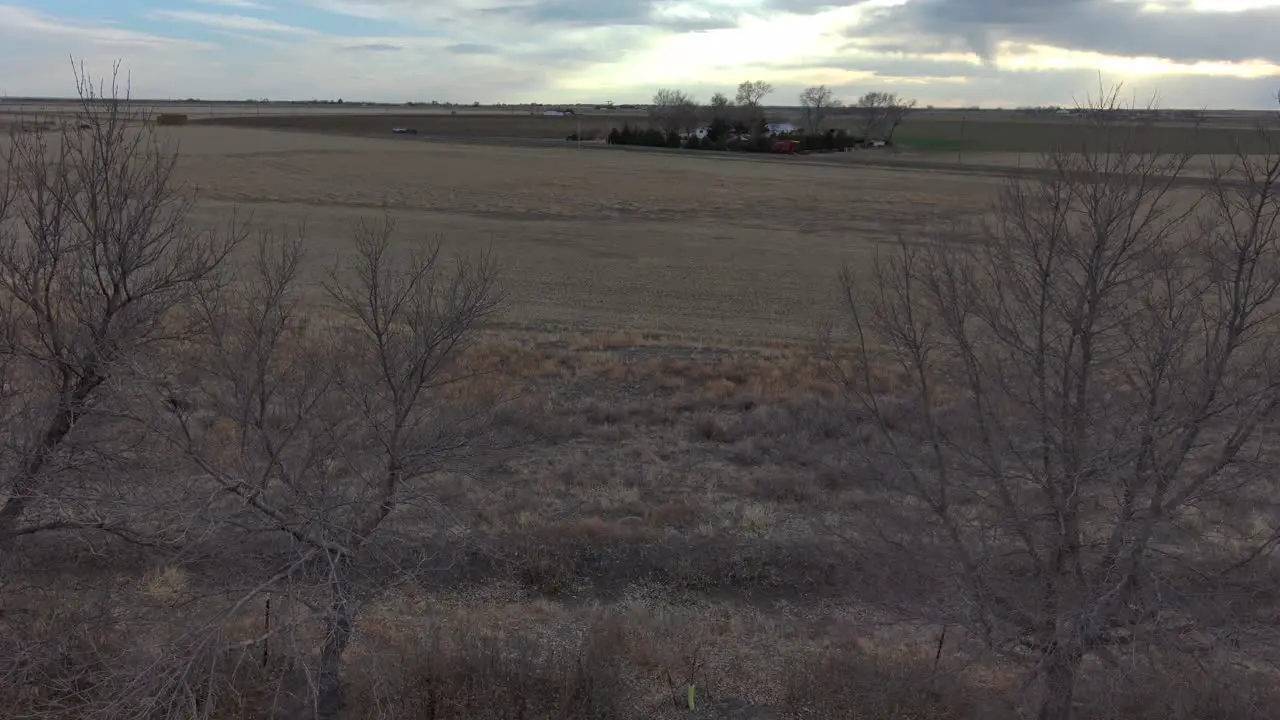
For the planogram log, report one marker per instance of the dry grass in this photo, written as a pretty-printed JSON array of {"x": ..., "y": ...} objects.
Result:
[
  {"x": 671, "y": 497},
  {"x": 666, "y": 517}
]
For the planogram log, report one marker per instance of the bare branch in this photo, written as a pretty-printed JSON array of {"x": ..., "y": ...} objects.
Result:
[
  {"x": 818, "y": 102},
  {"x": 673, "y": 111},
  {"x": 322, "y": 426},
  {"x": 1091, "y": 375},
  {"x": 98, "y": 266},
  {"x": 880, "y": 113}
]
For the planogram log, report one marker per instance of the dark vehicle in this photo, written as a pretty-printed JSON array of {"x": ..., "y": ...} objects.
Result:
[{"x": 404, "y": 131}]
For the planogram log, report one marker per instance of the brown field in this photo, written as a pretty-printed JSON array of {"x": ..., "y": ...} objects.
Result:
[
  {"x": 701, "y": 247},
  {"x": 678, "y": 497},
  {"x": 934, "y": 133}
]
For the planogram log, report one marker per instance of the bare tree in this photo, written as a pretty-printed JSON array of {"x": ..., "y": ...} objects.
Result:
[
  {"x": 1084, "y": 439},
  {"x": 139, "y": 364},
  {"x": 817, "y": 103},
  {"x": 720, "y": 106},
  {"x": 326, "y": 423},
  {"x": 751, "y": 93},
  {"x": 880, "y": 113},
  {"x": 673, "y": 110},
  {"x": 98, "y": 266}
]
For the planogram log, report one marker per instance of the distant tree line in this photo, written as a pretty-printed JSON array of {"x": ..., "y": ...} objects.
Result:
[
  {"x": 723, "y": 137},
  {"x": 678, "y": 120}
]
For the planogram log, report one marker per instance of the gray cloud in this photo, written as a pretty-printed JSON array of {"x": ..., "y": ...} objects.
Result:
[
  {"x": 545, "y": 57},
  {"x": 808, "y": 7},
  {"x": 473, "y": 49},
  {"x": 947, "y": 83},
  {"x": 565, "y": 14},
  {"x": 899, "y": 66},
  {"x": 1116, "y": 27},
  {"x": 599, "y": 13},
  {"x": 373, "y": 47},
  {"x": 910, "y": 45},
  {"x": 571, "y": 56}
]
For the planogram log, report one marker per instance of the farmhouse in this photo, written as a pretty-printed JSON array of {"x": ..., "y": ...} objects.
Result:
[{"x": 772, "y": 129}]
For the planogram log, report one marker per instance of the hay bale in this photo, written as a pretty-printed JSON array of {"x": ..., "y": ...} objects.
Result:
[{"x": 171, "y": 119}]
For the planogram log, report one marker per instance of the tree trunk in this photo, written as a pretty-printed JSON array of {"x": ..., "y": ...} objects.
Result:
[
  {"x": 321, "y": 695},
  {"x": 330, "y": 690},
  {"x": 15, "y": 506},
  {"x": 25, "y": 485},
  {"x": 1058, "y": 682}
]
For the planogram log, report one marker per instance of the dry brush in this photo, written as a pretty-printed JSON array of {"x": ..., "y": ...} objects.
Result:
[
  {"x": 163, "y": 391},
  {"x": 1083, "y": 449}
]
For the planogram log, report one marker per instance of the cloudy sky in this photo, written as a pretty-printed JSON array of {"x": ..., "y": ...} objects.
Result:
[{"x": 1191, "y": 53}]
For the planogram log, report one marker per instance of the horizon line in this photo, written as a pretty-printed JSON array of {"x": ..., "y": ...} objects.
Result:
[{"x": 12, "y": 99}]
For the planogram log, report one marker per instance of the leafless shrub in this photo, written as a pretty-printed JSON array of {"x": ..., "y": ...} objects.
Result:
[
  {"x": 149, "y": 385},
  {"x": 465, "y": 674},
  {"x": 1182, "y": 690},
  {"x": 880, "y": 113},
  {"x": 848, "y": 682},
  {"x": 54, "y": 658},
  {"x": 1085, "y": 452},
  {"x": 673, "y": 111},
  {"x": 710, "y": 427},
  {"x": 97, "y": 267},
  {"x": 323, "y": 424},
  {"x": 116, "y": 654}
]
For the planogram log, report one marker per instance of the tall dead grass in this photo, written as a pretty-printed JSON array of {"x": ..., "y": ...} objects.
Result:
[
  {"x": 589, "y": 588},
  {"x": 464, "y": 657}
]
